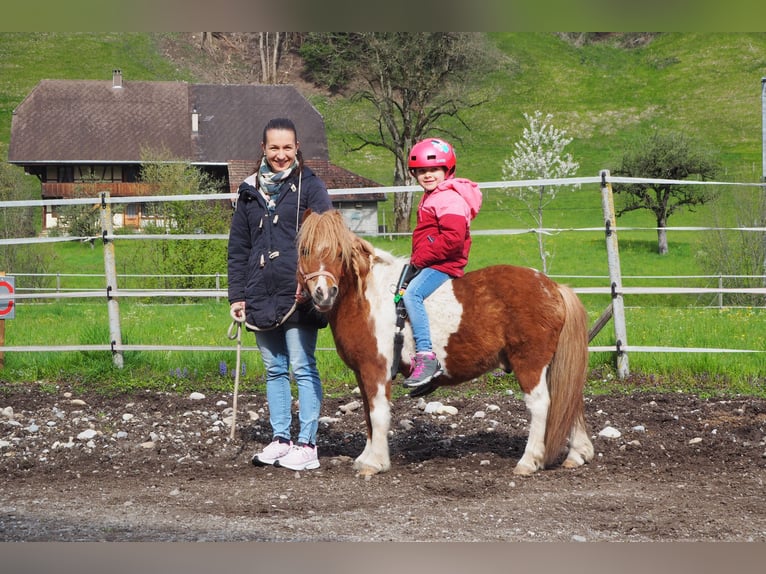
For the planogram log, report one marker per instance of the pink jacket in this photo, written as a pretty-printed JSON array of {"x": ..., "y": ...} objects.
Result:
[{"x": 442, "y": 237}]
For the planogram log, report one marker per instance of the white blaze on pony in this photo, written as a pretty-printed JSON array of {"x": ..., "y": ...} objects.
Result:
[{"x": 507, "y": 317}]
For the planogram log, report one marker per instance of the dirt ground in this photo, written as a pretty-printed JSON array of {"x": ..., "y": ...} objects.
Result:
[{"x": 161, "y": 467}]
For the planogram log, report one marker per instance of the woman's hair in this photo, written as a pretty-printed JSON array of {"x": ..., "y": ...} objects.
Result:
[{"x": 280, "y": 124}]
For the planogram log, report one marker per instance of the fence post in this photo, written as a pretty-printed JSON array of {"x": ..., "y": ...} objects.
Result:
[
  {"x": 615, "y": 275},
  {"x": 110, "y": 272},
  {"x": 720, "y": 293},
  {"x": 2, "y": 335}
]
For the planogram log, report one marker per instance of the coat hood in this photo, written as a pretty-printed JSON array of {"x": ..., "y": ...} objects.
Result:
[{"x": 467, "y": 189}]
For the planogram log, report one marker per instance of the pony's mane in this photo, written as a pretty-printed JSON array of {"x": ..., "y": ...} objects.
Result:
[{"x": 326, "y": 236}]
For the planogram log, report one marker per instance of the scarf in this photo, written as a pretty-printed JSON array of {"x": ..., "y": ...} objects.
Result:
[{"x": 269, "y": 182}]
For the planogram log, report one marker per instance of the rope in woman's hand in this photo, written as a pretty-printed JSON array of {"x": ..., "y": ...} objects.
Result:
[{"x": 235, "y": 332}]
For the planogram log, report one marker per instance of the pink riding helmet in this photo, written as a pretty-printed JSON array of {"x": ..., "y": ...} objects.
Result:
[{"x": 433, "y": 153}]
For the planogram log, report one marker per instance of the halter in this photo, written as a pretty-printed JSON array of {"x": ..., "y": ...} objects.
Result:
[{"x": 320, "y": 273}]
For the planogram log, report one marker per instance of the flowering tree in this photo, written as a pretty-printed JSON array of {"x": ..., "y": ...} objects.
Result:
[{"x": 539, "y": 154}]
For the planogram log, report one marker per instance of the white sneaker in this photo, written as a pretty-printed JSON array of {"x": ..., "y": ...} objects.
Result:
[
  {"x": 273, "y": 452},
  {"x": 300, "y": 457}
]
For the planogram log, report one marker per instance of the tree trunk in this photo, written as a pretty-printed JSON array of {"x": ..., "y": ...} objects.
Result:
[
  {"x": 402, "y": 211},
  {"x": 275, "y": 58},
  {"x": 263, "y": 48},
  {"x": 403, "y": 200},
  {"x": 541, "y": 249},
  {"x": 540, "y": 236},
  {"x": 662, "y": 237},
  {"x": 207, "y": 42}
]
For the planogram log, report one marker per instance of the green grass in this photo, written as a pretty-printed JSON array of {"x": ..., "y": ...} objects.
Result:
[
  {"x": 652, "y": 320},
  {"x": 86, "y": 323}
]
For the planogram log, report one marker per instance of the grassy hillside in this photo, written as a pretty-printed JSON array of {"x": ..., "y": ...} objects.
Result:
[{"x": 707, "y": 85}]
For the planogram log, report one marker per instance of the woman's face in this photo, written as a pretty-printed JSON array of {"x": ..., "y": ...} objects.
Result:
[{"x": 280, "y": 148}]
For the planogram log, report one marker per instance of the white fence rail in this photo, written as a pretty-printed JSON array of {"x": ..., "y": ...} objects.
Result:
[{"x": 613, "y": 282}]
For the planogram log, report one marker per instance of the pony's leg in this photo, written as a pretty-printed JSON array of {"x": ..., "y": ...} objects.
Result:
[
  {"x": 375, "y": 457},
  {"x": 537, "y": 401},
  {"x": 580, "y": 447}
]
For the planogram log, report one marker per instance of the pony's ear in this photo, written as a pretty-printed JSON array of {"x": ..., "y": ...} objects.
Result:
[
  {"x": 364, "y": 247},
  {"x": 365, "y": 253}
]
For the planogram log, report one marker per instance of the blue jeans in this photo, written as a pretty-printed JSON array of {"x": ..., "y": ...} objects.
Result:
[
  {"x": 293, "y": 347},
  {"x": 424, "y": 283}
]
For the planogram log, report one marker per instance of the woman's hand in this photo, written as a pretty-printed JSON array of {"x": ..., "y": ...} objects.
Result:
[{"x": 237, "y": 311}]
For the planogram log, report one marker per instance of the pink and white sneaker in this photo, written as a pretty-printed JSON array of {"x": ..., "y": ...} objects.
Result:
[
  {"x": 272, "y": 453},
  {"x": 300, "y": 457}
]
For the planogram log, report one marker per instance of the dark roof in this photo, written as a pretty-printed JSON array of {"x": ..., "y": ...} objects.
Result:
[
  {"x": 232, "y": 117},
  {"x": 94, "y": 121},
  {"x": 336, "y": 177}
]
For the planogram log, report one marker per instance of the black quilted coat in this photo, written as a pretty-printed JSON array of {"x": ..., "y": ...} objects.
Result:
[{"x": 262, "y": 260}]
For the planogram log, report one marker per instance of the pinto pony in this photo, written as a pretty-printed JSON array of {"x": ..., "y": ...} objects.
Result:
[{"x": 507, "y": 317}]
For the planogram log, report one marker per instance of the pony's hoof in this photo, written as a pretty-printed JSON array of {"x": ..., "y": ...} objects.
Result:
[
  {"x": 367, "y": 472},
  {"x": 524, "y": 470},
  {"x": 574, "y": 460}
]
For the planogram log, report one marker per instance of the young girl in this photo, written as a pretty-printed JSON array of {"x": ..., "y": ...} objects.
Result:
[{"x": 440, "y": 243}]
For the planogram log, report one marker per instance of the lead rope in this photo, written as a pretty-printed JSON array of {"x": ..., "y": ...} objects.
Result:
[
  {"x": 238, "y": 336},
  {"x": 237, "y": 324}
]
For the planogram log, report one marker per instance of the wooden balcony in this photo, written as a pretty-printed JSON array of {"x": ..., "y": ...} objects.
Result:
[{"x": 55, "y": 190}]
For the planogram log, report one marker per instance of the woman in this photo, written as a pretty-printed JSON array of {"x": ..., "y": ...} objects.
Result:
[{"x": 262, "y": 265}]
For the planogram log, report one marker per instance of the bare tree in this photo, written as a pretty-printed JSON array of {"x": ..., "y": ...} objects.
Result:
[
  {"x": 736, "y": 247},
  {"x": 413, "y": 81},
  {"x": 264, "y": 50},
  {"x": 270, "y": 48},
  {"x": 18, "y": 222}
]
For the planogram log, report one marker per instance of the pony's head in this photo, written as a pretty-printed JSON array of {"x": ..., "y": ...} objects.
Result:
[{"x": 329, "y": 254}]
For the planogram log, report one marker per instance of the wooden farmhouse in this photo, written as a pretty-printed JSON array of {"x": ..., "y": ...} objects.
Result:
[{"x": 82, "y": 137}]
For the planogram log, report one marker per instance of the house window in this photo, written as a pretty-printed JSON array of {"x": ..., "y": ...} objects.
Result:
[
  {"x": 65, "y": 174},
  {"x": 130, "y": 173},
  {"x": 84, "y": 173}
]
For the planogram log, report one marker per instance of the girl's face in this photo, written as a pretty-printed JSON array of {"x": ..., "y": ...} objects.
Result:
[
  {"x": 280, "y": 148},
  {"x": 430, "y": 177}
]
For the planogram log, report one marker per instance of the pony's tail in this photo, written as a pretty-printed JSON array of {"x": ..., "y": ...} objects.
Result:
[{"x": 567, "y": 374}]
